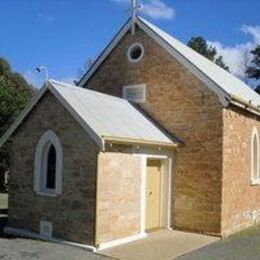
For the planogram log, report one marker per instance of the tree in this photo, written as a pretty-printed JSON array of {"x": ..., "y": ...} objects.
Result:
[
  {"x": 200, "y": 45},
  {"x": 253, "y": 70},
  {"x": 14, "y": 95}
]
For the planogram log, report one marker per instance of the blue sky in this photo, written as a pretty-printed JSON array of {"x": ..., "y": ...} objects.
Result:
[{"x": 63, "y": 34}]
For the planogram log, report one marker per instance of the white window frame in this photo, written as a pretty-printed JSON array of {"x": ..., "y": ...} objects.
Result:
[
  {"x": 255, "y": 181},
  {"x": 134, "y": 45},
  {"x": 140, "y": 100},
  {"x": 40, "y": 164}
]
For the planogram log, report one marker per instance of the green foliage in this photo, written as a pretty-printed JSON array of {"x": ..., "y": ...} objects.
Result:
[
  {"x": 200, "y": 45},
  {"x": 15, "y": 92},
  {"x": 253, "y": 71}
]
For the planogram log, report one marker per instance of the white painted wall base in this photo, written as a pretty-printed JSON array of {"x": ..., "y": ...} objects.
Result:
[
  {"x": 24, "y": 233},
  {"x": 121, "y": 241}
]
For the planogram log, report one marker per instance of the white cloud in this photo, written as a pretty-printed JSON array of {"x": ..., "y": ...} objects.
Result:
[
  {"x": 156, "y": 9},
  {"x": 46, "y": 18},
  {"x": 253, "y": 31},
  {"x": 238, "y": 57}
]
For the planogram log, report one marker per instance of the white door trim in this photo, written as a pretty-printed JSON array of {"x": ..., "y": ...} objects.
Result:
[{"x": 168, "y": 162}]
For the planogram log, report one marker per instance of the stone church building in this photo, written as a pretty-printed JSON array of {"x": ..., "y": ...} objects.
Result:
[{"x": 153, "y": 136}]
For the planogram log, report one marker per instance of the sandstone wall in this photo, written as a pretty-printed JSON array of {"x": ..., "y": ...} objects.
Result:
[
  {"x": 240, "y": 199},
  {"x": 118, "y": 194},
  {"x": 73, "y": 212},
  {"x": 183, "y": 105}
]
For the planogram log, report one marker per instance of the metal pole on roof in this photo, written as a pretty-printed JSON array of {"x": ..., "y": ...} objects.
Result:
[{"x": 134, "y": 7}]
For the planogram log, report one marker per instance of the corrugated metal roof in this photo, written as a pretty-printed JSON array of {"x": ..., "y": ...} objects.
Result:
[
  {"x": 110, "y": 116},
  {"x": 225, "y": 80},
  {"x": 229, "y": 88}
]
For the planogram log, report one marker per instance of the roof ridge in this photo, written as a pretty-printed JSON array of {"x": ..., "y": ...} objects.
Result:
[{"x": 76, "y": 88}]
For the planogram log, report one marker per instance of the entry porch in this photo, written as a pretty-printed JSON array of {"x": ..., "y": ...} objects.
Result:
[{"x": 134, "y": 194}]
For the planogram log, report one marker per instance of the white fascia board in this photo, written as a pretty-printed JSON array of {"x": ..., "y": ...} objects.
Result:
[
  {"x": 97, "y": 139},
  {"x": 223, "y": 95},
  {"x": 22, "y": 116},
  {"x": 106, "y": 52}
]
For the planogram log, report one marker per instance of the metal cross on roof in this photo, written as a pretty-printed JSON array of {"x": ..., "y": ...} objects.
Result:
[{"x": 134, "y": 8}]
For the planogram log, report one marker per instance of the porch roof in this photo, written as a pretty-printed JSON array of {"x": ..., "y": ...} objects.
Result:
[{"x": 104, "y": 117}]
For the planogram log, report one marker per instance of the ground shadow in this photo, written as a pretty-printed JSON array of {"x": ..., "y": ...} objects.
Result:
[
  {"x": 243, "y": 245},
  {"x": 3, "y": 211},
  {"x": 3, "y": 215},
  {"x": 3, "y": 222}
]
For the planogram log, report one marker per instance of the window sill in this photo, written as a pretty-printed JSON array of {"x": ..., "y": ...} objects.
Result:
[
  {"x": 255, "y": 182},
  {"x": 46, "y": 193}
]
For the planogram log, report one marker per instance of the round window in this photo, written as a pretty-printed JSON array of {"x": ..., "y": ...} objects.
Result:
[{"x": 135, "y": 52}]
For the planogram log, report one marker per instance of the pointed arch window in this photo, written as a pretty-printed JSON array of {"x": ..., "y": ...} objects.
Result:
[
  {"x": 48, "y": 165},
  {"x": 255, "y": 170}
]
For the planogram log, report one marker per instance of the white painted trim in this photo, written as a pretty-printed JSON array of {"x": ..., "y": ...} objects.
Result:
[
  {"x": 143, "y": 193},
  {"x": 170, "y": 173},
  {"x": 168, "y": 160},
  {"x": 40, "y": 165},
  {"x": 25, "y": 233},
  {"x": 255, "y": 181},
  {"x": 137, "y": 86},
  {"x": 121, "y": 241},
  {"x": 46, "y": 194},
  {"x": 132, "y": 46}
]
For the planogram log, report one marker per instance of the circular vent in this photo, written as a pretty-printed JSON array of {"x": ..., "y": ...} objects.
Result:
[{"x": 135, "y": 52}]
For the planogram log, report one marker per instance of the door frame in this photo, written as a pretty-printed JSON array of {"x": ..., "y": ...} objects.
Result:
[{"x": 167, "y": 170}]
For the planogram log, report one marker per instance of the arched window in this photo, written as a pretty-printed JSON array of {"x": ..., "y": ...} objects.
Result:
[
  {"x": 255, "y": 174},
  {"x": 48, "y": 165},
  {"x": 51, "y": 168}
]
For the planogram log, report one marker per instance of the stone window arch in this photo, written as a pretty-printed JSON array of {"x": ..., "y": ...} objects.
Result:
[
  {"x": 48, "y": 165},
  {"x": 255, "y": 174}
]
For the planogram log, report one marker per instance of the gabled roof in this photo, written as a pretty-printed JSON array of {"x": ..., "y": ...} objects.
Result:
[
  {"x": 103, "y": 117},
  {"x": 229, "y": 88}
]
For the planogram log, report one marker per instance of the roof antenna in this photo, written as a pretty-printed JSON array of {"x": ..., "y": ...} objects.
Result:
[
  {"x": 43, "y": 68},
  {"x": 134, "y": 8}
]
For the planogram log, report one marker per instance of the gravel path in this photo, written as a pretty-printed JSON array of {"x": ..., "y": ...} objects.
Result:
[{"x": 18, "y": 248}]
